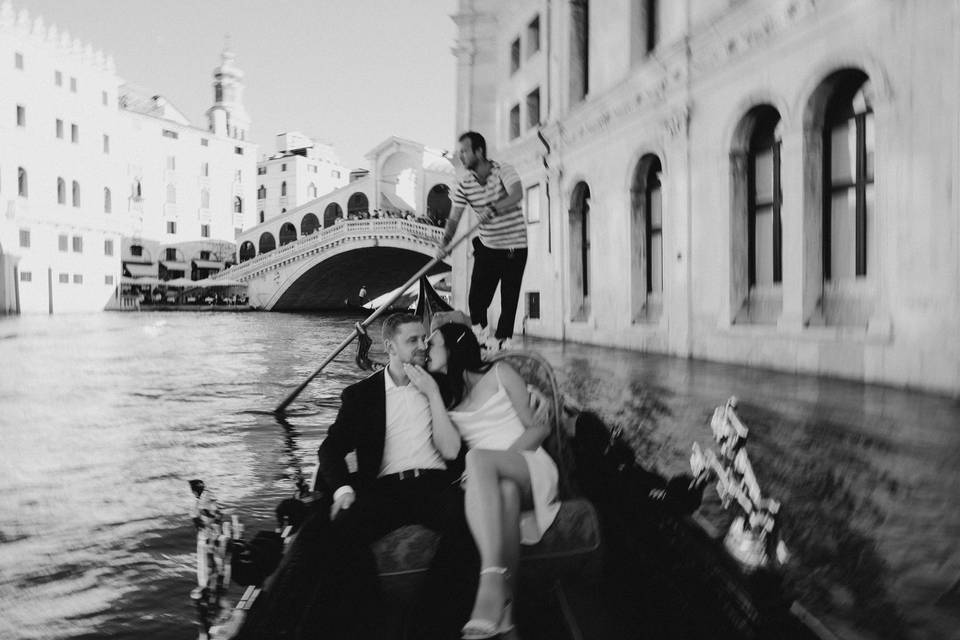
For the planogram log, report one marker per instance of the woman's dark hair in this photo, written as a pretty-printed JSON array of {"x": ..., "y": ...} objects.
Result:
[{"x": 463, "y": 354}]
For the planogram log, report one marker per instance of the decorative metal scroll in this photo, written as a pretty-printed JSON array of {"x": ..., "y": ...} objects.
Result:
[{"x": 753, "y": 538}]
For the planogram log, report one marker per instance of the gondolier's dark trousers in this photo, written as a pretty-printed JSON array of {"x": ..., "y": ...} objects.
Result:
[
  {"x": 490, "y": 268},
  {"x": 333, "y": 592}
]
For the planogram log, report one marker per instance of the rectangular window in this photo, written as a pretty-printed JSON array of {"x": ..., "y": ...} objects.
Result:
[
  {"x": 73, "y": 84},
  {"x": 261, "y": 171},
  {"x": 171, "y": 134},
  {"x": 533, "y": 108},
  {"x": 59, "y": 128},
  {"x": 74, "y": 133},
  {"x": 26, "y": 276},
  {"x": 514, "y": 56},
  {"x": 24, "y": 237},
  {"x": 106, "y": 143},
  {"x": 104, "y": 98},
  {"x": 204, "y": 231},
  {"x": 335, "y": 174},
  {"x": 532, "y": 203},
  {"x": 171, "y": 227},
  {"x": 108, "y": 247},
  {"x": 64, "y": 242},
  {"x": 18, "y": 60},
  {"x": 78, "y": 244},
  {"x": 515, "y": 122},
  {"x": 108, "y": 279},
  {"x": 136, "y": 251},
  {"x": 204, "y": 142},
  {"x": 78, "y": 278},
  {"x": 64, "y": 278},
  {"x": 238, "y": 151},
  {"x": 58, "y": 78},
  {"x": 283, "y": 166},
  {"x": 239, "y": 175},
  {"x": 533, "y": 36},
  {"x": 533, "y": 305},
  {"x": 170, "y": 253},
  {"x": 237, "y": 231},
  {"x": 21, "y": 115},
  {"x": 171, "y": 163}
]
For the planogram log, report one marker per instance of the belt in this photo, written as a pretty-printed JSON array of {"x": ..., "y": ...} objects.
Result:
[{"x": 409, "y": 474}]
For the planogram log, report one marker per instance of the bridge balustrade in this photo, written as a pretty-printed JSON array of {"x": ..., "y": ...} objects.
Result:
[{"x": 357, "y": 229}]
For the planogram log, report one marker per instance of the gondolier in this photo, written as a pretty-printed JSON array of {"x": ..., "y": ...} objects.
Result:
[{"x": 494, "y": 191}]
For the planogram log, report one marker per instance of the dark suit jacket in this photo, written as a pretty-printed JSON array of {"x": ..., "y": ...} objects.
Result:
[{"x": 361, "y": 426}]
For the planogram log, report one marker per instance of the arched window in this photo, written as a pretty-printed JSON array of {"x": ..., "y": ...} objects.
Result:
[
  {"x": 312, "y": 191},
  {"x": 171, "y": 193},
  {"x": 267, "y": 243},
  {"x": 646, "y": 262},
  {"x": 580, "y": 252},
  {"x": 237, "y": 204},
  {"x": 309, "y": 224},
  {"x": 439, "y": 204},
  {"x": 848, "y": 191},
  {"x": 358, "y": 203},
  {"x": 76, "y": 193},
  {"x": 331, "y": 213},
  {"x": 764, "y": 235},
  {"x": 283, "y": 189},
  {"x": 204, "y": 198},
  {"x": 247, "y": 251},
  {"x": 107, "y": 200},
  {"x": 61, "y": 191},
  {"x": 261, "y": 192},
  {"x": 288, "y": 234},
  {"x": 22, "y": 187}
]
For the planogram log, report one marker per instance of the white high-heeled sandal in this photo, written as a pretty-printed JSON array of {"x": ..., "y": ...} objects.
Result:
[{"x": 480, "y": 629}]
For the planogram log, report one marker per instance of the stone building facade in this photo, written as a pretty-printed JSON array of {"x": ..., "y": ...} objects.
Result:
[
  {"x": 301, "y": 170},
  {"x": 90, "y": 164},
  {"x": 771, "y": 183}
]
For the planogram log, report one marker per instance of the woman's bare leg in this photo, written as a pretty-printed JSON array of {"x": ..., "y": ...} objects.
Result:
[{"x": 495, "y": 525}]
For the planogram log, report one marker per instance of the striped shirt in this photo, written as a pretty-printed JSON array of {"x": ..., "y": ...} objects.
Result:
[{"x": 508, "y": 229}]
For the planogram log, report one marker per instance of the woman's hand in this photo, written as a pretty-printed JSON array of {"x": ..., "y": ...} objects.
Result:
[{"x": 421, "y": 379}]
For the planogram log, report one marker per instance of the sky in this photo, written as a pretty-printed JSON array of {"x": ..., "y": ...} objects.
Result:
[{"x": 347, "y": 72}]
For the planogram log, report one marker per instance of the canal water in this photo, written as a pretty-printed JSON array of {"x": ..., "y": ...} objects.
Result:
[{"x": 104, "y": 418}]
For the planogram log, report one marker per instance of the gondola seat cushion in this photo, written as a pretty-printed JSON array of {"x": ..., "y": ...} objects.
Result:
[{"x": 570, "y": 547}]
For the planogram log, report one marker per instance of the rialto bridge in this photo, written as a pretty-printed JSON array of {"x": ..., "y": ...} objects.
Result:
[{"x": 326, "y": 269}]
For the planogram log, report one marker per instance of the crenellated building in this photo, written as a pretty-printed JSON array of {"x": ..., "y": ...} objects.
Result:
[
  {"x": 90, "y": 164},
  {"x": 773, "y": 183}
]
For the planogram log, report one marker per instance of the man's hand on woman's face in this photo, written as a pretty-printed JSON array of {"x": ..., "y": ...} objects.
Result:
[{"x": 420, "y": 378}]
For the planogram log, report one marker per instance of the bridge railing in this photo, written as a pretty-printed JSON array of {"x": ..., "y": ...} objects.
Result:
[{"x": 341, "y": 230}]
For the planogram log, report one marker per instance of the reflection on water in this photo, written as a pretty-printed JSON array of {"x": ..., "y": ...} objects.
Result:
[
  {"x": 868, "y": 476},
  {"x": 104, "y": 418}
]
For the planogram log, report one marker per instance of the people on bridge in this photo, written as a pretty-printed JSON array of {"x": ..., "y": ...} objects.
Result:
[{"x": 494, "y": 191}]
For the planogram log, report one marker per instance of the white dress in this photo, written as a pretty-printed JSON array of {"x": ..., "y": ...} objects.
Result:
[{"x": 496, "y": 425}]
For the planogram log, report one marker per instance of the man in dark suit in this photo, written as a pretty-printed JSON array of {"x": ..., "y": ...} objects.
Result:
[{"x": 401, "y": 478}]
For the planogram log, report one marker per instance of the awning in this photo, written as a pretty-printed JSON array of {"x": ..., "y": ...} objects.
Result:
[
  {"x": 140, "y": 270},
  {"x": 208, "y": 264},
  {"x": 143, "y": 282},
  {"x": 172, "y": 265},
  {"x": 179, "y": 282},
  {"x": 391, "y": 201}
]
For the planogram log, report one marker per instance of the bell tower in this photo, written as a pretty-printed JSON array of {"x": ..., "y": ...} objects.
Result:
[{"x": 228, "y": 117}]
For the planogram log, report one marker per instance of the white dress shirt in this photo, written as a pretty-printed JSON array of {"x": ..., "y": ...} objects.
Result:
[{"x": 408, "y": 438}]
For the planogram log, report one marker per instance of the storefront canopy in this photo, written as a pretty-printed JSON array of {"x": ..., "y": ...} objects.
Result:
[
  {"x": 173, "y": 265},
  {"x": 138, "y": 270}
]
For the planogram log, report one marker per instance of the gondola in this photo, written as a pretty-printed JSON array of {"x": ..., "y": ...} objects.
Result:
[{"x": 628, "y": 556}]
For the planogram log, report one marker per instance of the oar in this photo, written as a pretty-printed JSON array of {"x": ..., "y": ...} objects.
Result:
[{"x": 282, "y": 407}]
